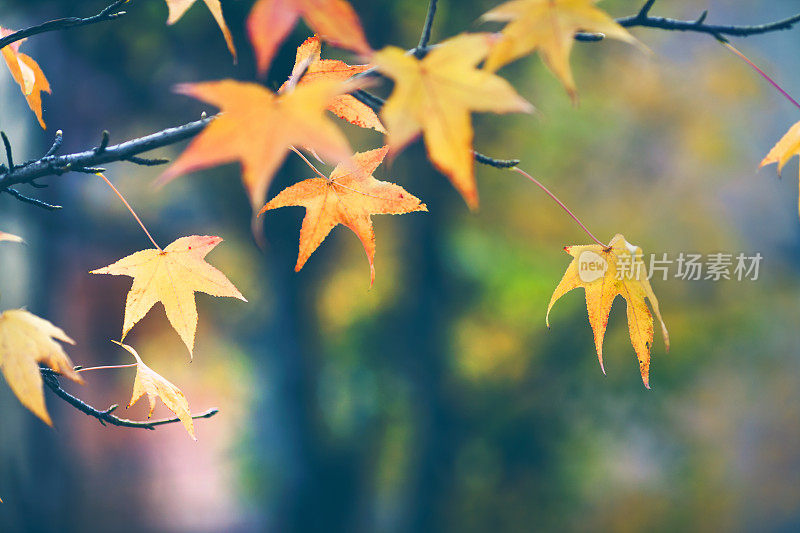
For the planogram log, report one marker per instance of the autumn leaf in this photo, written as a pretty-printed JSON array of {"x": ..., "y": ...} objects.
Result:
[
  {"x": 348, "y": 197},
  {"x": 335, "y": 21},
  {"x": 549, "y": 27},
  {"x": 178, "y": 7},
  {"x": 258, "y": 127},
  {"x": 605, "y": 274},
  {"x": 784, "y": 150},
  {"x": 25, "y": 341},
  {"x": 9, "y": 237},
  {"x": 172, "y": 276},
  {"x": 27, "y": 74},
  {"x": 149, "y": 382},
  {"x": 434, "y": 96},
  {"x": 310, "y": 67}
]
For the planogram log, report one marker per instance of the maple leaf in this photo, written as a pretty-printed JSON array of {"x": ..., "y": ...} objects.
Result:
[
  {"x": 348, "y": 197},
  {"x": 605, "y": 274},
  {"x": 151, "y": 383},
  {"x": 178, "y": 7},
  {"x": 549, "y": 27},
  {"x": 25, "y": 341},
  {"x": 434, "y": 96},
  {"x": 784, "y": 150},
  {"x": 171, "y": 276},
  {"x": 258, "y": 127},
  {"x": 309, "y": 66},
  {"x": 9, "y": 237},
  {"x": 28, "y": 75},
  {"x": 271, "y": 21}
]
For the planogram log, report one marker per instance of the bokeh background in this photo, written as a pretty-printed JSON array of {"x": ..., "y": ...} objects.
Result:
[{"x": 437, "y": 400}]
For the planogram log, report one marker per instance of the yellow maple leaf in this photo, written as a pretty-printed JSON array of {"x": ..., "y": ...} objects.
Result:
[
  {"x": 151, "y": 383},
  {"x": 549, "y": 27},
  {"x": 28, "y": 75},
  {"x": 348, "y": 197},
  {"x": 25, "y": 341},
  {"x": 434, "y": 96},
  {"x": 258, "y": 127},
  {"x": 178, "y": 7},
  {"x": 784, "y": 150},
  {"x": 605, "y": 274},
  {"x": 172, "y": 276}
]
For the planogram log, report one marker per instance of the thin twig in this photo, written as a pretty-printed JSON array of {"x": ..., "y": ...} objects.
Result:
[
  {"x": 561, "y": 204},
  {"x": 425, "y": 38},
  {"x": 9, "y": 153},
  {"x": 32, "y": 201}
]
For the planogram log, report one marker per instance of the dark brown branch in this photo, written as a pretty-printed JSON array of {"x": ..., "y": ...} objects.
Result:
[
  {"x": 106, "y": 417},
  {"x": 109, "y": 13}
]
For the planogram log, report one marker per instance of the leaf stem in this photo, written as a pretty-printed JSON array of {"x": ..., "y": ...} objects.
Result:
[
  {"x": 560, "y": 203},
  {"x": 309, "y": 163},
  {"x": 755, "y": 67},
  {"x": 124, "y": 201},
  {"x": 109, "y": 367}
]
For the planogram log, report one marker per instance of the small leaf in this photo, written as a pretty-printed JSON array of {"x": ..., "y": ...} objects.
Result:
[
  {"x": 606, "y": 274},
  {"x": 25, "y": 341},
  {"x": 27, "y": 74},
  {"x": 309, "y": 67},
  {"x": 150, "y": 383},
  {"x": 172, "y": 276},
  {"x": 784, "y": 150}
]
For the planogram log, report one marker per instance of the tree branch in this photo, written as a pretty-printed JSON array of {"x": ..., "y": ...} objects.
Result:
[
  {"x": 53, "y": 165},
  {"x": 645, "y": 20},
  {"x": 106, "y": 417},
  {"x": 109, "y": 13}
]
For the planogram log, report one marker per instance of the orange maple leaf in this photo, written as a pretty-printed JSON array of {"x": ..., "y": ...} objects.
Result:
[
  {"x": 435, "y": 95},
  {"x": 258, "y": 127},
  {"x": 335, "y": 21},
  {"x": 348, "y": 197},
  {"x": 606, "y": 273},
  {"x": 178, "y": 7},
  {"x": 172, "y": 276},
  {"x": 28, "y": 75},
  {"x": 309, "y": 66}
]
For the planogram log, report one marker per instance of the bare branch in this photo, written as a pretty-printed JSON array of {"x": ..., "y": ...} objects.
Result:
[
  {"x": 109, "y": 13},
  {"x": 53, "y": 165},
  {"x": 644, "y": 20}
]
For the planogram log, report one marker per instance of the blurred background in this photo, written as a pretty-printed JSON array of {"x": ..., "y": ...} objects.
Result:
[{"x": 437, "y": 400}]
